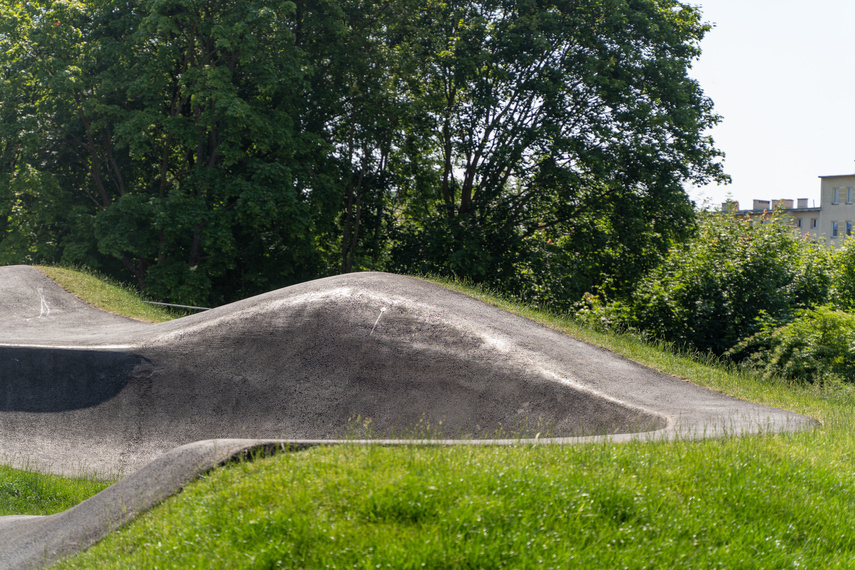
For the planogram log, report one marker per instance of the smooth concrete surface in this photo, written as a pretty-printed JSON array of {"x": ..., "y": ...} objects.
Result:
[{"x": 359, "y": 355}]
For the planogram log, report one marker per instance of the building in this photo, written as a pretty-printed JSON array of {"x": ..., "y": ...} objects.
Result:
[
  {"x": 838, "y": 209},
  {"x": 832, "y": 219}
]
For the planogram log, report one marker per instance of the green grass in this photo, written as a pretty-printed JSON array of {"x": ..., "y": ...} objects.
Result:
[
  {"x": 106, "y": 294},
  {"x": 769, "y": 501},
  {"x": 762, "y": 502},
  {"x": 29, "y": 492}
]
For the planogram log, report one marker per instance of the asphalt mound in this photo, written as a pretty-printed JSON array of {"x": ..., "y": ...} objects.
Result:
[{"x": 365, "y": 355}]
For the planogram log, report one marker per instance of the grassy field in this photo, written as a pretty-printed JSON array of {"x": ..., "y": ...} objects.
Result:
[{"x": 770, "y": 501}]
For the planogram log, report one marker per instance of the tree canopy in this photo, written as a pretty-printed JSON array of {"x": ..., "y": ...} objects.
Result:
[{"x": 214, "y": 149}]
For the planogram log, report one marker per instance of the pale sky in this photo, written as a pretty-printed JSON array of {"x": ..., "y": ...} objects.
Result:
[{"x": 782, "y": 75}]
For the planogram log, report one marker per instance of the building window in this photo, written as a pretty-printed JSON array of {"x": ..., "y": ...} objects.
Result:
[
  {"x": 848, "y": 229},
  {"x": 849, "y": 195},
  {"x": 799, "y": 223},
  {"x": 834, "y": 231},
  {"x": 835, "y": 195},
  {"x": 813, "y": 223}
]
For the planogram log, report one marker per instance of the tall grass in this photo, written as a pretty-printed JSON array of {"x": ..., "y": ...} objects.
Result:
[{"x": 30, "y": 492}]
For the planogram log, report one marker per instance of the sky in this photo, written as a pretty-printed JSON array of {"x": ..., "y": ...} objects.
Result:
[{"x": 782, "y": 75}]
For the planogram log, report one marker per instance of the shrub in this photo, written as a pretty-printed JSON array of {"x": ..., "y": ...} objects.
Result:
[
  {"x": 709, "y": 292},
  {"x": 844, "y": 275},
  {"x": 817, "y": 346}
]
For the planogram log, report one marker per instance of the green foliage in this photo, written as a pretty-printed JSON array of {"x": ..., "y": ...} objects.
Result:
[
  {"x": 170, "y": 127},
  {"x": 562, "y": 136},
  {"x": 817, "y": 346},
  {"x": 709, "y": 291},
  {"x": 751, "y": 290},
  {"x": 210, "y": 151},
  {"x": 844, "y": 276}
]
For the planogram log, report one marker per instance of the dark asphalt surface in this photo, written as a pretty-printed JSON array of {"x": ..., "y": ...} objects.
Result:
[{"x": 360, "y": 355}]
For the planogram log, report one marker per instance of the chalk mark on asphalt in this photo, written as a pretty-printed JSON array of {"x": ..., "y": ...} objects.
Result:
[
  {"x": 45, "y": 308},
  {"x": 383, "y": 310}
]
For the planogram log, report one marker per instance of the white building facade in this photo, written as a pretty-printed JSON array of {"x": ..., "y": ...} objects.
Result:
[
  {"x": 832, "y": 219},
  {"x": 837, "y": 202}
]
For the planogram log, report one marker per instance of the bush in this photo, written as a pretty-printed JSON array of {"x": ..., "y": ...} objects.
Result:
[
  {"x": 708, "y": 293},
  {"x": 817, "y": 347},
  {"x": 844, "y": 275}
]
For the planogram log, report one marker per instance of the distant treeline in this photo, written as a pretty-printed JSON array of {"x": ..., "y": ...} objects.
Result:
[{"x": 207, "y": 150}]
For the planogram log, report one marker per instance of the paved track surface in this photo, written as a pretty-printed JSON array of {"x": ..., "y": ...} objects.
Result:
[{"x": 82, "y": 390}]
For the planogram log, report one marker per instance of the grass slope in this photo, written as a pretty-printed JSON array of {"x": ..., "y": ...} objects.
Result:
[
  {"x": 106, "y": 294},
  {"x": 771, "y": 501}
]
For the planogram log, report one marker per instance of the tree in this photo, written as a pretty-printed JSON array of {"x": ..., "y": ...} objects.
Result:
[
  {"x": 38, "y": 213},
  {"x": 173, "y": 123},
  {"x": 365, "y": 119},
  {"x": 542, "y": 111},
  {"x": 215, "y": 149}
]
